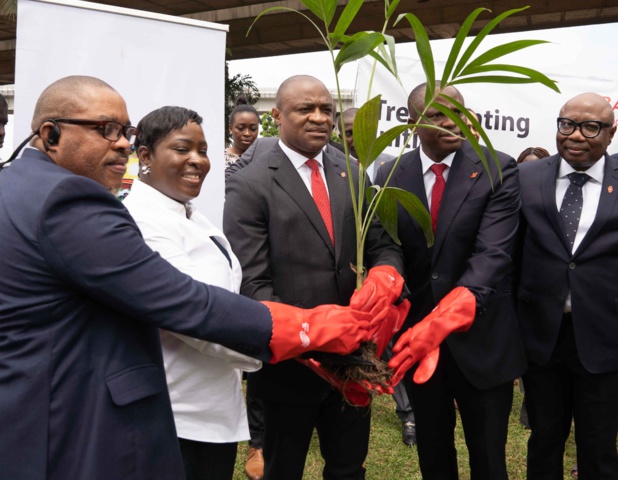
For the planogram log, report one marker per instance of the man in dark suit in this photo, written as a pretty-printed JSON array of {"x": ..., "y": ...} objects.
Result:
[
  {"x": 254, "y": 467},
  {"x": 290, "y": 253},
  {"x": 475, "y": 227},
  {"x": 567, "y": 298},
  {"x": 82, "y": 385}
]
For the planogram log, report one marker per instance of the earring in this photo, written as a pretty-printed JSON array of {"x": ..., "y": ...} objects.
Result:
[{"x": 145, "y": 169}]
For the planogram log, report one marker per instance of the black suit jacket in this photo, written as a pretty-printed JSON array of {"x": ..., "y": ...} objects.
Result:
[
  {"x": 474, "y": 239},
  {"x": 549, "y": 270},
  {"x": 278, "y": 234}
]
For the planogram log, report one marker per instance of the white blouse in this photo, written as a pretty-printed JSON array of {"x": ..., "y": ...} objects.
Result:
[{"x": 202, "y": 377}]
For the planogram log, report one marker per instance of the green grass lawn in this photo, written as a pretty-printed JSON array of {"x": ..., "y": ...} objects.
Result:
[{"x": 390, "y": 459}]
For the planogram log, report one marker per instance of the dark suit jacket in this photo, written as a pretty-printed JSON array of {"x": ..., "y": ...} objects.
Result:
[
  {"x": 82, "y": 386},
  {"x": 277, "y": 233},
  {"x": 549, "y": 270},
  {"x": 474, "y": 239}
]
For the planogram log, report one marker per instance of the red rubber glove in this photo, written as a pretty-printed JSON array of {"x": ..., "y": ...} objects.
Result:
[
  {"x": 327, "y": 328},
  {"x": 382, "y": 282},
  {"x": 356, "y": 393},
  {"x": 383, "y": 330},
  {"x": 454, "y": 313},
  {"x": 427, "y": 366},
  {"x": 380, "y": 290}
]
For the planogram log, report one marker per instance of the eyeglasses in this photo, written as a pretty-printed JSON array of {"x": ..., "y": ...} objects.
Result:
[
  {"x": 110, "y": 130},
  {"x": 588, "y": 128}
]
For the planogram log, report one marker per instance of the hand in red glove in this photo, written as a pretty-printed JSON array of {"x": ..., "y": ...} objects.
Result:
[
  {"x": 382, "y": 330},
  {"x": 454, "y": 313},
  {"x": 327, "y": 328},
  {"x": 356, "y": 393},
  {"x": 382, "y": 282},
  {"x": 427, "y": 366},
  {"x": 380, "y": 290}
]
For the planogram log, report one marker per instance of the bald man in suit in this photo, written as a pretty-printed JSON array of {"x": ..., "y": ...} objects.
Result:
[
  {"x": 475, "y": 230},
  {"x": 567, "y": 299},
  {"x": 289, "y": 254}
]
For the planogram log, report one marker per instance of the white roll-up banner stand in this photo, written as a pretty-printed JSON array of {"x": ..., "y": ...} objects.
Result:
[
  {"x": 514, "y": 116},
  {"x": 152, "y": 60}
]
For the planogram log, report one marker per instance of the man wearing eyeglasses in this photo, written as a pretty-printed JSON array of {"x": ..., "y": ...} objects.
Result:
[
  {"x": 82, "y": 386},
  {"x": 567, "y": 296}
]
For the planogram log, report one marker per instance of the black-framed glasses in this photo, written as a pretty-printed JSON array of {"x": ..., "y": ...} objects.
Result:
[
  {"x": 588, "y": 128},
  {"x": 110, "y": 130}
]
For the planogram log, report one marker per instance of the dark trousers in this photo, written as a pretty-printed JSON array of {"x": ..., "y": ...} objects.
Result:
[
  {"x": 343, "y": 432},
  {"x": 254, "y": 415},
  {"x": 400, "y": 395},
  {"x": 208, "y": 461},
  {"x": 484, "y": 416},
  {"x": 561, "y": 391}
]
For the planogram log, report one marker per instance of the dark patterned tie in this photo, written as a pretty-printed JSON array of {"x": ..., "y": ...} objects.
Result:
[
  {"x": 436, "y": 192},
  {"x": 320, "y": 197},
  {"x": 571, "y": 208}
]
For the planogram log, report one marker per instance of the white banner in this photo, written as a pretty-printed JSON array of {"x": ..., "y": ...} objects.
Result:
[
  {"x": 152, "y": 60},
  {"x": 514, "y": 117}
]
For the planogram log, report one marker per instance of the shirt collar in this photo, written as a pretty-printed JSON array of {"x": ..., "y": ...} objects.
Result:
[
  {"x": 296, "y": 158},
  {"x": 428, "y": 162},
  {"x": 595, "y": 172},
  {"x": 159, "y": 200}
]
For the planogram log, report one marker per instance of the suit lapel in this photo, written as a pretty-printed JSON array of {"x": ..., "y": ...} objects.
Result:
[
  {"x": 465, "y": 172},
  {"x": 339, "y": 194},
  {"x": 607, "y": 201},
  {"x": 289, "y": 180},
  {"x": 410, "y": 177},
  {"x": 548, "y": 178}
]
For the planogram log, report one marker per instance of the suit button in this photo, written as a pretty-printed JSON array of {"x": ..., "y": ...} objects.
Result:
[
  {"x": 572, "y": 265},
  {"x": 434, "y": 276},
  {"x": 338, "y": 271},
  {"x": 561, "y": 299}
]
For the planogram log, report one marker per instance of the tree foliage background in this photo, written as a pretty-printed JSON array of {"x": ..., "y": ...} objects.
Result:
[{"x": 236, "y": 86}]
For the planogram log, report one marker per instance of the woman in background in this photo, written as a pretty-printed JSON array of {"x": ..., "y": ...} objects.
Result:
[
  {"x": 204, "y": 383},
  {"x": 244, "y": 125},
  {"x": 531, "y": 154}
]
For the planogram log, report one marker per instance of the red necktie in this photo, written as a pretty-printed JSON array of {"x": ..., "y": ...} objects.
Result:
[
  {"x": 320, "y": 197},
  {"x": 436, "y": 193}
]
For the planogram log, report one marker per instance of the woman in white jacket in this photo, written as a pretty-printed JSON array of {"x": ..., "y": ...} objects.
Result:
[{"x": 203, "y": 378}]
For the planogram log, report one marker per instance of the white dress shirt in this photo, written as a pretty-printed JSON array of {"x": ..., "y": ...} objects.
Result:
[
  {"x": 202, "y": 377},
  {"x": 299, "y": 162},
  {"x": 591, "y": 193},
  {"x": 429, "y": 178}
]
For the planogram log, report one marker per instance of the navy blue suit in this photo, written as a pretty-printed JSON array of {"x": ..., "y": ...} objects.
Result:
[
  {"x": 574, "y": 357},
  {"x": 474, "y": 237},
  {"x": 82, "y": 387}
]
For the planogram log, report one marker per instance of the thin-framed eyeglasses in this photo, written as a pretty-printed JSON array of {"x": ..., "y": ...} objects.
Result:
[
  {"x": 110, "y": 130},
  {"x": 588, "y": 128}
]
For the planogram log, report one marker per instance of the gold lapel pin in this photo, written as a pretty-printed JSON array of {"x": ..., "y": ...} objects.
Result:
[
  {"x": 474, "y": 175},
  {"x": 610, "y": 189}
]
